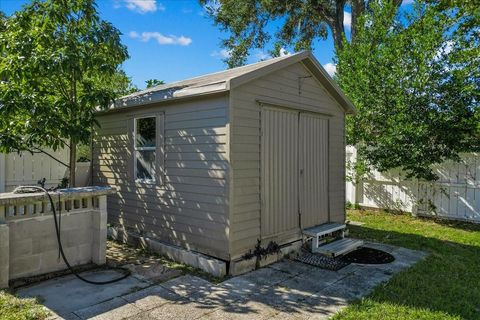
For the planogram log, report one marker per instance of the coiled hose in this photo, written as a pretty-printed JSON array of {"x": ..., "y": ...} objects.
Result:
[{"x": 32, "y": 189}]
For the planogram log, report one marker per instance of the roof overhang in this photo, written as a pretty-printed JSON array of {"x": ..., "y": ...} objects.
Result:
[
  {"x": 312, "y": 64},
  {"x": 180, "y": 95},
  {"x": 179, "y": 92}
]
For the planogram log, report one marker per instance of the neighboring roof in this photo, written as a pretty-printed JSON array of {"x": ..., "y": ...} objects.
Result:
[{"x": 231, "y": 78}]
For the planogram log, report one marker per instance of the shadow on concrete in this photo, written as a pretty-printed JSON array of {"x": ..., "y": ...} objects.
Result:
[
  {"x": 291, "y": 289},
  {"x": 286, "y": 289}
]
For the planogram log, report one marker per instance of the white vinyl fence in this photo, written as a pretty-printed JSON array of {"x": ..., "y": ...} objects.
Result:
[
  {"x": 26, "y": 169},
  {"x": 456, "y": 195}
]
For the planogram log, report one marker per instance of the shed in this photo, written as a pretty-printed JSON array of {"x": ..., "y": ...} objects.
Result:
[{"x": 214, "y": 163}]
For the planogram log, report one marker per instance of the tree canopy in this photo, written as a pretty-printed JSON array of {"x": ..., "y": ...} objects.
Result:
[
  {"x": 415, "y": 80},
  {"x": 58, "y": 60},
  {"x": 153, "y": 83},
  {"x": 301, "y": 22},
  {"x": 414, "y": 77}
]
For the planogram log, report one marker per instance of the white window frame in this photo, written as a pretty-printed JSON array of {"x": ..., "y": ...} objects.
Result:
[{"x": 135, "y": 148}]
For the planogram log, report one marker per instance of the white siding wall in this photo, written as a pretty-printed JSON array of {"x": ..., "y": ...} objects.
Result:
[
  {"x": 27, "y": 169},
  {"x": 456, "y": 195},
  {"x": 190, "y": 208},
  {"x": 280, "y": 87}
]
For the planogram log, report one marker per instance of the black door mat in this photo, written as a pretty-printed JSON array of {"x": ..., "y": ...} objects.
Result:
[{"x": 321, "y": 261}]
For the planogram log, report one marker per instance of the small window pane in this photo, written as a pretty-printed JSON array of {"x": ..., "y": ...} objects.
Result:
[
  {"x": 145, "y": 164},
  {"x": 146, "y": 132}
]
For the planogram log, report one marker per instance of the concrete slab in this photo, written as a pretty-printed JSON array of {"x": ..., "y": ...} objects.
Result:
[
  {"x": 247, "y": 311},
  {"x": 285, "y": 290},
  {"x": 309, "y": 283},
  {"x": 321, "y": 306},
  {"x": 114, "y": 309},
  {"x": 152, "y": 297},
  {"x": 180, "y": 310},
  {"x": 190, "y": 287},
  {"x": 292, "y": 267},
  {"x": 240, "y": 285},
  {"x": 266, "y": 277},
  {"x": 67, "y": 294}
]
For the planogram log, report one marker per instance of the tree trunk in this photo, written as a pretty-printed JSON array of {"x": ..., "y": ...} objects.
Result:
[
  {"x": 336, "y": 25},
  {"x": 337, "y": 34},
  {"x": 358, "y": 8},
  {"x": 73, "y": 164}
]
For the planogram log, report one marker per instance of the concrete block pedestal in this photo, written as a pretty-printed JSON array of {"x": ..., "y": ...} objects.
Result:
[
  {"x": 4, "y": 254},
  {"x": 28, "y": 241}
]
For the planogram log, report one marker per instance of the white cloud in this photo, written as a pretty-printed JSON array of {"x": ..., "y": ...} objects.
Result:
[
  {"x": 330, "y": 68},
  {"x": 445, "y": 49},
  {"x": 133, "y": 34},
  {"x": 347, "y": 19},
  {"x": 448, "y": 46},
  {"x": 224, "y": 54},
  {"x": 214, "y": 6},
  {"x": 143, "y": 6},
  {"x": 260, "y": 55},
  {"x": 284, "y": 52},
  {"x": 160, "y": 38}
]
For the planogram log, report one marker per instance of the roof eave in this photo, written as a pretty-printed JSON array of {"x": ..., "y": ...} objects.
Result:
[
  {"x": 307, "y": 58},
  {"x": 128, "y": 105},
  {"x": 250, "y": 76},
  {"x": 332, "y": 87}
]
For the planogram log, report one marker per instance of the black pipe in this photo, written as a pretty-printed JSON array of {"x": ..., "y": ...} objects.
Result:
[{"x": 30, "y": 189}]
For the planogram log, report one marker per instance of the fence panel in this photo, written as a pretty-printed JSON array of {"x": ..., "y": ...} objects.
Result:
[
  {"x": 26, "y": 169},
  {"x": 455, "y": 195}
]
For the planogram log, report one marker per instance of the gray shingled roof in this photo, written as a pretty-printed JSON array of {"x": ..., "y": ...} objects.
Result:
[{"x": 221, "y": 81}]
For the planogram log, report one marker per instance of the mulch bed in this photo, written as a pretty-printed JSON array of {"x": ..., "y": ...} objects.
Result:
[
  {"x": 362, "y": 255},
  {"x": 365, "y": 255}
]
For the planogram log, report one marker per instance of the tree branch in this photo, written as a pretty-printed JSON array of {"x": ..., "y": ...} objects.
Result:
[{"x": 38, "y": 150}]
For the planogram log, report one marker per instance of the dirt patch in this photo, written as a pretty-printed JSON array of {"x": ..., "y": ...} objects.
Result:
[
  {"x": 140, "y": 262},
  {"x": 120, "y": 254}
]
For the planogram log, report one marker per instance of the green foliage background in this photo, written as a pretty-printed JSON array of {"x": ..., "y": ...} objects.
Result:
[{"x": 415, "y": 80}]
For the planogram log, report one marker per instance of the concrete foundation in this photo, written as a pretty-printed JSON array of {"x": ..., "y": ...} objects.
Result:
[
  {"x": 241, "y": 266},
  {"x": 208, "y": 264}
]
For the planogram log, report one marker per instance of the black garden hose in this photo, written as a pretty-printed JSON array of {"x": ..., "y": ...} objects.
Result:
[{"x": 31, "y": 189}]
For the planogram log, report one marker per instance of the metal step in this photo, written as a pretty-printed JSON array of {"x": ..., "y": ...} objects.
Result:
[
  {"x": 323, "y": 229},
  {"x": 338, "y": 247}
]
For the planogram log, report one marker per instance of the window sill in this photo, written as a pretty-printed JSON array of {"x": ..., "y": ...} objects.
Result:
[{"x": 143, "y": 182}]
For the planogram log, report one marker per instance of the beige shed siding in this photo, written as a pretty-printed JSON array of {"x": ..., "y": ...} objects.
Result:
[
  {"x": 191, "y": 208},
  {"x": 282, "y": 88}
]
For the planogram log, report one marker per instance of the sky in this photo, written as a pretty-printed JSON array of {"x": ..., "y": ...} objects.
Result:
[{"x": 173, "y": 40}]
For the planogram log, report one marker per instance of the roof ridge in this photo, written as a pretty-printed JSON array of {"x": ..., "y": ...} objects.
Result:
[{"x": 203, "y": 76}]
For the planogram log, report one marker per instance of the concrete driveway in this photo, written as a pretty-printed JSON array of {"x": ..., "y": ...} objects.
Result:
[{"x": 284, "y": 290}]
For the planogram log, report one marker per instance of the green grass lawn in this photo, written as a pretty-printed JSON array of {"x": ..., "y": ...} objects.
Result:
[
  {"x": 13, "y": 308},
  {"x": 446, "y": 285}
]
